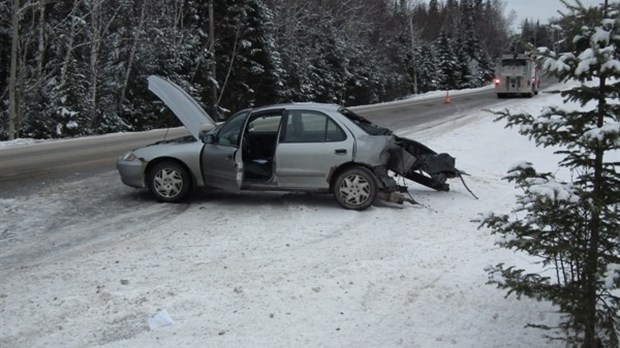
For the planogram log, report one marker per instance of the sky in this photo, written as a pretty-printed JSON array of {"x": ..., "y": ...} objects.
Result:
[
  {"x": 540, "y": 10},
  {"x": 274, "y": 269}
]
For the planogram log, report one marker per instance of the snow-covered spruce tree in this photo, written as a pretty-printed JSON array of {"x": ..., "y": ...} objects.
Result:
[
  {"x": 573, "y": 227},
  {"x": 447, "y": 68},
  {"x": 427, "y": 63}
]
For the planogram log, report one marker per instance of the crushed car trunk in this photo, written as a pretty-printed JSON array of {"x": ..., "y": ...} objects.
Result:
[
  {"x": 420, "y": 164},
  {"x": 408, "y": 158}
]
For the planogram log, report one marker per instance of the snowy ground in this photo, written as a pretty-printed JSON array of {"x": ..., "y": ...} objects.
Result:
[{"x": 287, "y": 270}]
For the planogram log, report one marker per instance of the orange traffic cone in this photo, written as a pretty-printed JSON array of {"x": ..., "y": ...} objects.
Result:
[{"x": 447, "y": 99}]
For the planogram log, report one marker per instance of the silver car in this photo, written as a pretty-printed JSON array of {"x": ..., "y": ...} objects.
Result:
[{"x": 307, "y": 147}]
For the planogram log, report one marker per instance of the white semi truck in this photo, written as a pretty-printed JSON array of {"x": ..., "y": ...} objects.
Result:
[{"x": 516, "y": 75}]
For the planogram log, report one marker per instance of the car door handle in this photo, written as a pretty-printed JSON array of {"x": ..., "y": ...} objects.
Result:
[{"x": 340, "y": 151}]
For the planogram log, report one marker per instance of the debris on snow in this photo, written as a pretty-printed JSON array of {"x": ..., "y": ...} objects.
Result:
[{"x": 160, "y": 320}]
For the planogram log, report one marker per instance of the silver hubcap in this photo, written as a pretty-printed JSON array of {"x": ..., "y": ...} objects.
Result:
[
  {"x": 354, "y": 189},
  {"x": 168, "y": 182}
]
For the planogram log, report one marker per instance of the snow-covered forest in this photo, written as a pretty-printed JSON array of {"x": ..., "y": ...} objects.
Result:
[{"x": 79, "y": 67}]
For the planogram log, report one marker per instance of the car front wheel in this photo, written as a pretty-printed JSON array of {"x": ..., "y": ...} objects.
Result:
[
  {"x": 169, "y": 182},
  {"x": 355, "y": 188}
]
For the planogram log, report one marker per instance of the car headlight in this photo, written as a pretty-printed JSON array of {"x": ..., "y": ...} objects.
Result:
[{"x": 129, "y": 156}]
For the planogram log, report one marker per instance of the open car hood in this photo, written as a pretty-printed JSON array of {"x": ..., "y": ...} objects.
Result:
[{"x": 186, "y": 109}]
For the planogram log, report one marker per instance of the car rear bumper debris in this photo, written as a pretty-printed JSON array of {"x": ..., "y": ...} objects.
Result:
[{"x": 416, "y": 162}]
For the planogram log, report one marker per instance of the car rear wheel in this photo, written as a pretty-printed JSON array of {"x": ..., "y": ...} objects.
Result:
[
  {"x": 355, "y": 188},
  {"x": 169, "y": 182}
]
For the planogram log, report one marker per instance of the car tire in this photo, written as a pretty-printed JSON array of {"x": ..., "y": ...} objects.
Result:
[
  {"x": 169, "y": 182},
  {"x": 355, "y": 188}
]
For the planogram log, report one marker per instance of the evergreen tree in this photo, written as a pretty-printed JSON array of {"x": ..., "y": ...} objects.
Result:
[
  {"x": 433, "y": 25},
  {"x": 573, "y": 226},
  {"x": 365, "y": 80},
  {"x": 463, "y": 62},
  {"x": 447, "y": 67},
  {"x": 426, "y": 64},
  {"x": 177, "y": 48},
  {"x": 474, "y": 63},
  {"x": 56, "y": 107},
  {"x": 486, "y": 69},
  {"x": 535, "y": 34},
  {"x": 315, "y": 60},
  {"x": 81, "y": 67},
  {"x": 494, "y": 28},
  {"x": 246, "y": 55},
  {"x": 527, "y": 31}
]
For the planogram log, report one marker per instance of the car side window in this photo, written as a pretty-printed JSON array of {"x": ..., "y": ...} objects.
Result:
[
  {"x": 333, "y": 132},
  {"x": 312, "y": 127},
  {"x": 265, "y": 124},
  {"x": 230, "y": 132}
]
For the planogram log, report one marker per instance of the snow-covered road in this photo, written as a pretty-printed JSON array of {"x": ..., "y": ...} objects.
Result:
[{"x": 272, "y": 269}]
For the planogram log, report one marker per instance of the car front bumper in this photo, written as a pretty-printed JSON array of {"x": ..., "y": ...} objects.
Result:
[{"x": 132, "y": 172}]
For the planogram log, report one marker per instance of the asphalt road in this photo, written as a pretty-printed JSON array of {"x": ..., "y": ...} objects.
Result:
[
  {"x": 427, "y": 113},
  {"x": 22, "y": 168}
]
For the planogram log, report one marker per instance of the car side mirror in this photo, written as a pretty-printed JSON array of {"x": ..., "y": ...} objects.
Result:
[{"x": 208, "y": 138}]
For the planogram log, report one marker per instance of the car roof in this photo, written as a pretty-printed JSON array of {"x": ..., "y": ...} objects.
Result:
[{"x": 300, "y": 106}]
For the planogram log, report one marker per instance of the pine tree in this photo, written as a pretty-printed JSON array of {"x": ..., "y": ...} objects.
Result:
[
  {"x": 474, "y": 64},
  {"x": 433, "y": 25},
  {"x": 177, "y": 48},
  {"x": 246, "y": 55},
  {"x": 486, "y": 69},
  {"x": 573, "y": 226},
  {"x": 426, "y": 68},
  {"x": 463, "y": 63},
  {"x": 80, "y": 67},
  {"x": 447, "y": 68}
]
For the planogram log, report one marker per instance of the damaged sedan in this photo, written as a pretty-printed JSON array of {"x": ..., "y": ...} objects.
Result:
[{"x": 308, "y": 147}]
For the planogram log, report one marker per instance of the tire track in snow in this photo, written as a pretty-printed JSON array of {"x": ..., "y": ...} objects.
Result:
[{"x": 67, "y": 216}]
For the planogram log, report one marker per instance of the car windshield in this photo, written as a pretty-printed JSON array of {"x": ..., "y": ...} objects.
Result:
[
  {"x": 217, "y": 128},
  {"x": 364, "y": 124}
]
